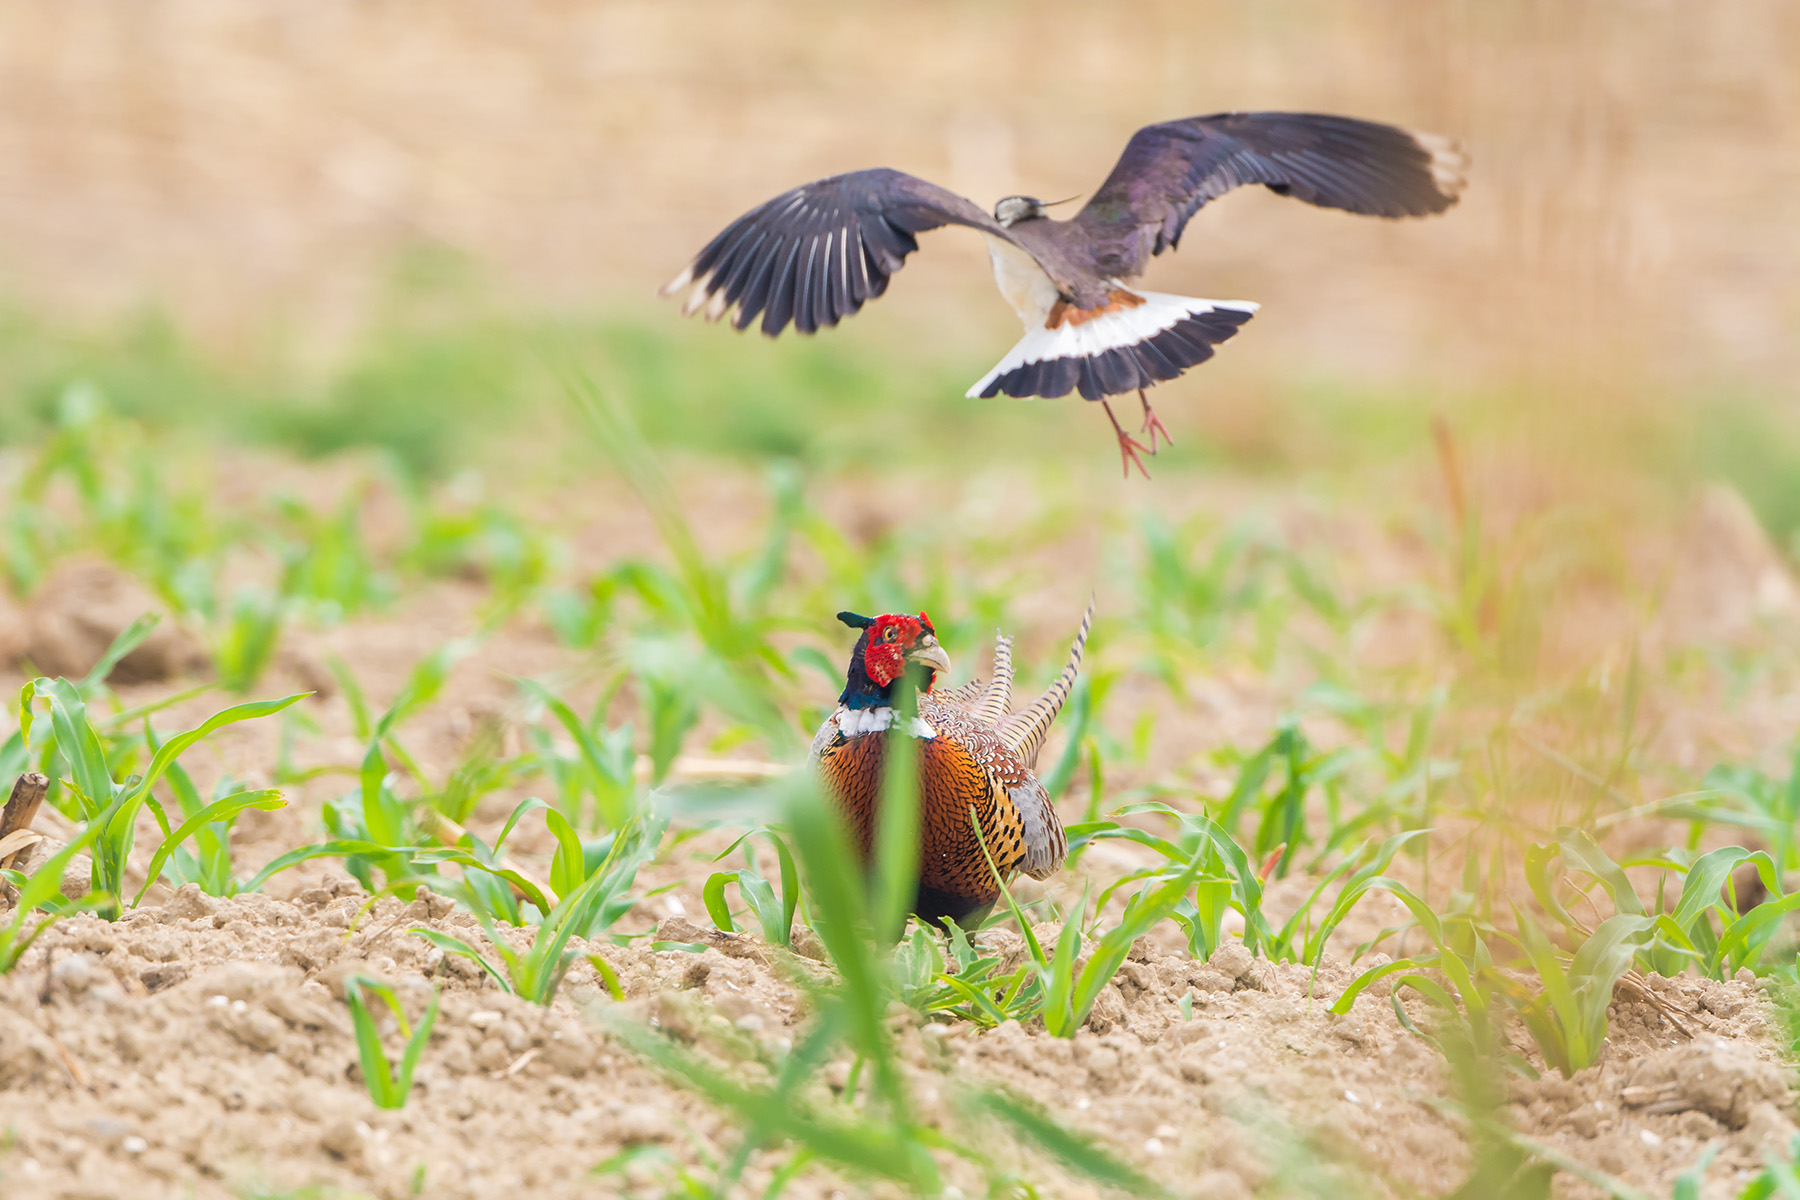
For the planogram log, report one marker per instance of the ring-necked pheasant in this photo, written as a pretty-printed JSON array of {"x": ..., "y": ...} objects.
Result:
[
  {"x": 816, "y": 254},
  {"x": 972, "y": 753}
]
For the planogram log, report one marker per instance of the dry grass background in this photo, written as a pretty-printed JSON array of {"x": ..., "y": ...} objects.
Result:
[
  {"x": 1620, "y": 285},
  {"x": 1634, "y": 213}
]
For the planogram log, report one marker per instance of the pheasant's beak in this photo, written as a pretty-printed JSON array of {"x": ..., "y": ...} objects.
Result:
[{"x": 928, "y": 652}]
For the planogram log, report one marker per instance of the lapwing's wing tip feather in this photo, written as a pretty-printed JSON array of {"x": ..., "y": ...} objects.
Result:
[
  {"x": 817, "y": 253},
  {"x": 676, "y": 284},
  {"x": 1449, "y": 164}
]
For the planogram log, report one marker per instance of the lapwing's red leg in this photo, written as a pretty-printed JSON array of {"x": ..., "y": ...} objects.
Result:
[
  {"x": 1128, "y": 446},
  {"x": 1151, "y": 425}
]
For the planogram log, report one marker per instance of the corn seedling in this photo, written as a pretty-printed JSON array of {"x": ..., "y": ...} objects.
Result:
[
  {"x": 876, "y": 1136},
  {"x": 389, "y": 1084},
  {"x": 1567, "y": 1014},
  {"x": 587, "y": 909},
  {"x": 112, "y": 806},
  {"x": 40, "y": 897},
  {"x": 1703, "y": 929},
  {"x": 774, "y": 913},
  {"x": 597, "y": 785},
  {"x": 246, "y": 641}
]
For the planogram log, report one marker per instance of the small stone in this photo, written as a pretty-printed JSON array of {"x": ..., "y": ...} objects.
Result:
[
  {"x": 341, "y": 1140},
  {"x": 163, "y": 975},
  {"x": 638, "y": 1124},
  {"x": 1193, "y": 1063},
  {"x": 806, "y": 944},
  {"x": 189, "y": 903},
  {"x": 75, "y": 973},
  {"x": 1232, "y": 959}
]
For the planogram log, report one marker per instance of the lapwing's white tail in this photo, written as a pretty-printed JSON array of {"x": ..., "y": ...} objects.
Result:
[{"x": 1138, "y": 339}]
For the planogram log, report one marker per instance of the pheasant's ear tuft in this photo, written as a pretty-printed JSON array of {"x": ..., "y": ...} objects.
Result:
[
  {"x": 854, "y": 621},
  {"x": 926, "y": 622}
]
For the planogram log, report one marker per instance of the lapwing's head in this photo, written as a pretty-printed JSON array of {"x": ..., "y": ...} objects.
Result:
[
  {"x": 1013, "y": 209},
  {"x": 890, "y": 644}
]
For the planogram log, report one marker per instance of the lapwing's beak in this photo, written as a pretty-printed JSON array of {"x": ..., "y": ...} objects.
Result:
[{"x": 928, "y": 652}]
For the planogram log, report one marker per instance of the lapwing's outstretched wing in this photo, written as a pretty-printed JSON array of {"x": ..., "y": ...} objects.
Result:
[
  {"x": 816, "y": 254},
  {"x": 1168, "y": 171}
]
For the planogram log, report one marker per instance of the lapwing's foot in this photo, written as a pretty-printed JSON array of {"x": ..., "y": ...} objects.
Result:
[
  {"x": 1128, "y": 445},
  {"x": 1152, "y": 425}
]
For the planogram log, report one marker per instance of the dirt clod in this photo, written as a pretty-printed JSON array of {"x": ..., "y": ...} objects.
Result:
[{"x": 79, "y": 611}]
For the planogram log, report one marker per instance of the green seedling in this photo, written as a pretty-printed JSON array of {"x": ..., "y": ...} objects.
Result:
[
  {"x": 1070, "y": 985},
  {"x": 485, "y": 542},
  {"x": 774, "y": 913},
  {"x": 245, "y": 644},
  {"x": 597, "y": 786},
  {"x": 1703, "y": 930},
  {"x": 388, "y": 1085},
  {"x": 326, "y": 567},
  {"x": 975, "y": 990},
  {"x": 1567, "y": 1016},
  {"x": 40, "y": 896},
  {"x": 1770, "y": 806},
  {"x": 698, "y": 597},
  {"x": 586, "y": 910},
  {"x": 112, "y": 806},
  {"x": 875, "y": 1137},
  {"x": 1780, "y": 1178}
]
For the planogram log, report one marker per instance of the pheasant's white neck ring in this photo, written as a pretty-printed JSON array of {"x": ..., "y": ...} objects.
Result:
[{"x": 852, "y": 721}]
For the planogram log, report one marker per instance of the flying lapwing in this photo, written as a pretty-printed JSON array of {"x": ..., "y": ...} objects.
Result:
[{"x": 816, "y": 254}]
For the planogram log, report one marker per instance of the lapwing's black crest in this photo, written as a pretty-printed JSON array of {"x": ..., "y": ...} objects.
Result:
[{"x": 817, "y": 254}]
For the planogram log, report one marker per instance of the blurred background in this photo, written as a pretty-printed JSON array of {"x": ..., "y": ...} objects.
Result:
[{"x": 341, "y": 223}]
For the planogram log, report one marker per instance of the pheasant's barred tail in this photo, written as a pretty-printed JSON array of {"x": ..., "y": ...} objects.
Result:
[
  {"x": 1025, "y": 731},
  {"x": 996, "y": 699}
]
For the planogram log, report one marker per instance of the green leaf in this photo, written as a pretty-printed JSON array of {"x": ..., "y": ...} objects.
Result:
[
  {"x": 267, "y": 799},
  {"x": 449, "y": 943},
  {"x": 713, "y": 896},
  {"x": 129, "y": 639},
  {"x": 568, "y": 868},
  {"x": 1039, "y": 1128}
]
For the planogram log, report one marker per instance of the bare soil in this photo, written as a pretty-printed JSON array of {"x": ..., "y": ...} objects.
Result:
[{"x": 202, "y": 1046}]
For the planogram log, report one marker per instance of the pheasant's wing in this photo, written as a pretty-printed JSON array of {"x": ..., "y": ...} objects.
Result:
[
  {"x": 996, "y": 699},
  {"x": 816, "y": 254},
  {"x": 828, "y": 733},
  {"x": 1045, "y": 846},
  {"x": 1024, "y": 732},
  {"x": 1169, "y": 171},
  {"x": 968, "y": 768}
]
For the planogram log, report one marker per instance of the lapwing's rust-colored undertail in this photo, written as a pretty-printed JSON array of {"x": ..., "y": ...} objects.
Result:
[
  {"x": 817, "y": 254},
  {"x": 975, "y": 760}
]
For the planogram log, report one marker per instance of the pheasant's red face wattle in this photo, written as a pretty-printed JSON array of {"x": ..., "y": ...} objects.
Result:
[{"x": 890, "y": 637}]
